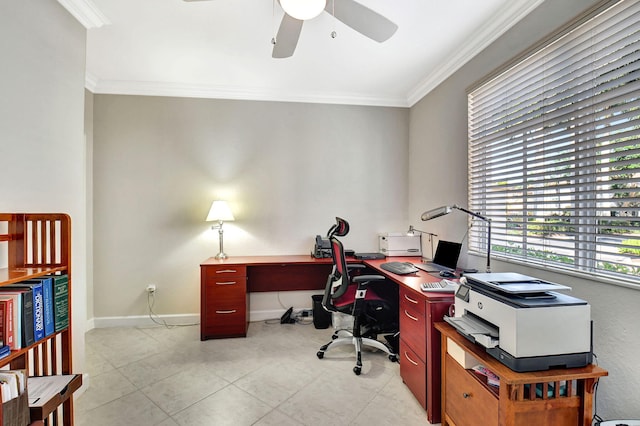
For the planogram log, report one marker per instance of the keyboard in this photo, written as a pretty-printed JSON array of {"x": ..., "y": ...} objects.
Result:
[
  {"x": 445, "y": 286},
  {"x": 400, "y": 268}
]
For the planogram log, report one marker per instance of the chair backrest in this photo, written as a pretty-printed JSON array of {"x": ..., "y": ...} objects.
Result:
[
  {"x": 338, "y": 281},
  {"x": 340, "y": 229},
  {"x": 340, "y": 274}
]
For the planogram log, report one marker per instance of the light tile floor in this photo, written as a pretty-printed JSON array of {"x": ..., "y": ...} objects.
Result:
[{"x": 168, "y": 377}]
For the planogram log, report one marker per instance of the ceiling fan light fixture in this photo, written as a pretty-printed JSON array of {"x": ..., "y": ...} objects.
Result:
[{"x": 303, "y": 9}]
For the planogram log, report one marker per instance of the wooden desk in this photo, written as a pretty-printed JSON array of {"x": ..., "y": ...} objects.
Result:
[
  {"x": 225, "y": 308},
  {"x": 521, "y": 399}
]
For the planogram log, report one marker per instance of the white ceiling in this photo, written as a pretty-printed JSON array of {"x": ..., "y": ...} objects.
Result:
[{"x": 221, "y": 49}]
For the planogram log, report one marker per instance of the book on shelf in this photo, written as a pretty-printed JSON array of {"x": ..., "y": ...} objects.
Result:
[
  {"x": 25, "y": 303},
  {"x": 38, "y": 306},
  {"x": 47, "y": 303},
  {"x": 60, "y": 301},
  {"x": 17, "y": 318},
  {"x": 5, "y": 351},
  {"x": 6, "y": 322}
]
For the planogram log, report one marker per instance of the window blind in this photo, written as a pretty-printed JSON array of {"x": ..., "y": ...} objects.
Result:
[{"x": 554, "y": 151}]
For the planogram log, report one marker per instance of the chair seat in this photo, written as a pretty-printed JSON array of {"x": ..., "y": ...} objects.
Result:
[{"x": 350, "y": 296}]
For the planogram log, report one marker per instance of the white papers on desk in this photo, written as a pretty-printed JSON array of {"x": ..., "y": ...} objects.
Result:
[{"x": 42, "y": 389}]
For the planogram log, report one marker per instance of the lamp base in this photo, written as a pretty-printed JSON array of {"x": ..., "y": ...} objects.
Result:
[{"x": 221, "y": 256}]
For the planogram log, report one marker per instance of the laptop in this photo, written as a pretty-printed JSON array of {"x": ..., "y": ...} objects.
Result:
[{"x": 445, "y": 259}]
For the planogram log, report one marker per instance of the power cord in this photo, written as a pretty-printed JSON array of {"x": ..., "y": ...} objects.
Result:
[{"x": 151, "y": 300}]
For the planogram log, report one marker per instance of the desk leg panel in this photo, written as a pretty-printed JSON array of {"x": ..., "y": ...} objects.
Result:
[
  {"x": 287, "y": 277},
  {"x": 435, "y": 313}
]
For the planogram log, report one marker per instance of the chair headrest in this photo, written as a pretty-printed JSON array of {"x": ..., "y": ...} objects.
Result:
[{"x": 340, "y": 229}]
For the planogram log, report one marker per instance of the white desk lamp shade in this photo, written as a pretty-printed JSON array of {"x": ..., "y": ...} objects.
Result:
[
  {"x": 220, "y": 212},
  {"x": 303, "y": 9}
]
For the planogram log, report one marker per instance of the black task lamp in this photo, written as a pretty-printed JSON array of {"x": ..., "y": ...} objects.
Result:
[{"x": 441, "y": 211}]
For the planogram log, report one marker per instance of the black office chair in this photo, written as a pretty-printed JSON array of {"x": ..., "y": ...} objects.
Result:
[{"x": 371, "y": 314}]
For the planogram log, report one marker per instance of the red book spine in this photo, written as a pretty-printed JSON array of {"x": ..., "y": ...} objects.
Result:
[{"x": 6, "y": 323}]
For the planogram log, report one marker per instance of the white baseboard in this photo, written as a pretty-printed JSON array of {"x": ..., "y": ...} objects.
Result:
[
  {"x": 142, "y": 321},
  {"x": 145, "y": 321}
]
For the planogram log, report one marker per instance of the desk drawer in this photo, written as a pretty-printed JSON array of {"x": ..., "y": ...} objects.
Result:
[
  {"x": 413, "y": 372},
  {"x": 223, "y": 272},
  {"x": 225, "y": 323},
  {"x": 231, "y": 288},
  {"x": 466, "y": 399},
  {"x": 413, "y": 326}
]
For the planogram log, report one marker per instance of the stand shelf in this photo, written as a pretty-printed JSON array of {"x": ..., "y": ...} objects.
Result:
[
  {"x": 559, "y": 397},
  {"x": 38, "y": 245}
]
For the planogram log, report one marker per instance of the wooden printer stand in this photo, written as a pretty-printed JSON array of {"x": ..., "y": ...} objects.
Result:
[{"x": 552, "y": 397}]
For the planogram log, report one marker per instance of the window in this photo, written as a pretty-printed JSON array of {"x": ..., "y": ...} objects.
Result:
[{"x": 554, "y": 150}]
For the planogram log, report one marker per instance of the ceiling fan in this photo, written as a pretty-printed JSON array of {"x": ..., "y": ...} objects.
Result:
[{"x": 353, "y": 14}]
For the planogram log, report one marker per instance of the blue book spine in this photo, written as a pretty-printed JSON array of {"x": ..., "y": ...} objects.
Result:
[{"x": 38, "y": 312}]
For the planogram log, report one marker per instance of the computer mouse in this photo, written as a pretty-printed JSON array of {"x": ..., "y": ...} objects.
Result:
[{"x": 447, "y": 274}]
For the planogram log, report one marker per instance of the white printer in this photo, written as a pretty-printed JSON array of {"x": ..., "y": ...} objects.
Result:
[
  {"x": 398, "y": 244},
  {"x": 523, "y": 321}
]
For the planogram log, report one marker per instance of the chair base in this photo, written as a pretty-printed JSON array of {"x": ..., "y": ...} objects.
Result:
[{"x": 358, "y": 343}]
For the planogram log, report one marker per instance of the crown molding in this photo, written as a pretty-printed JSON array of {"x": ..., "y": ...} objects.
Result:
[
  {"x": 85, "y": 12},
  {"x": 146, "y": 88},
  {"x": 479, "y": 40}
]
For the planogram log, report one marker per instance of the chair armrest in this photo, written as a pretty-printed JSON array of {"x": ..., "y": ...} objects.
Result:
[
  {"x": 355, "y": 266},
  {"x": 364, "y": 279}
]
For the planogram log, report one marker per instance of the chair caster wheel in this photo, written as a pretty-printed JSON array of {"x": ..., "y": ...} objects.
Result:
[
  {"x": 320, "y": 354},
  {"x": 357, "y": 370},
  {"x": 393, "y": 358}
]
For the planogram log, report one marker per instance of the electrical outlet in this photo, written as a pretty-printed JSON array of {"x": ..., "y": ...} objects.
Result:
[{"x": 151, "y": 288}]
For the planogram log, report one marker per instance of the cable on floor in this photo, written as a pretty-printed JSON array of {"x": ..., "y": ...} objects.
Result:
[{"x": 151, "y": 300}]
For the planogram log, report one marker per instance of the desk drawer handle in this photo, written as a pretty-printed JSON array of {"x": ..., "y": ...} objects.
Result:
[
  {"x": 226, "y": 271},
  {"x": 226, "y": 282},
  {"x": 410, "y": 299},
  {"x": 412, "y": 317},
  {"x": 466, "y": 395},
  {"x": 232, "y": 311},
  {"x": 406, "y": 355}
]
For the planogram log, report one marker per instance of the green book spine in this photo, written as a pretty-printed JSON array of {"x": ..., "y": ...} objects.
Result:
[{"x": 61, "y": 301}]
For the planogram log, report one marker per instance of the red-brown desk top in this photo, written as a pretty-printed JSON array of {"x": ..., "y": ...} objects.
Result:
[
  {"x": 268, "y": 260},
  {"x": 411, "y": 281}
]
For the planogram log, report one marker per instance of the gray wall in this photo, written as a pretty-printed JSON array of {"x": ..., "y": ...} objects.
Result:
[
  {"x": 41, "y": 126},
  {"x": 287, "y": 169},
  {"x": 438, "y": 139}
]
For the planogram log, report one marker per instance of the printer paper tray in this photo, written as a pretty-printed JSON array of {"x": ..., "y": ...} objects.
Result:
[{"x": 475, "y": 330}]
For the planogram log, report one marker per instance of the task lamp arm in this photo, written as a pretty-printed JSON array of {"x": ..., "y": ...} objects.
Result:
[
  {"x": 413, "y": 230},
  {"x": 441, "y": 211}
]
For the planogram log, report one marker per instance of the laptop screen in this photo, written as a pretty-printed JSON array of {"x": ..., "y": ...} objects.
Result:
[{"x": 447, "y": 254}]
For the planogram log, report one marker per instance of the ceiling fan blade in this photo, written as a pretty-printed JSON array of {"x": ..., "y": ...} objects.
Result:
[
  {"x": 362, "y": 19},
  {"x": 287, "y": 37}
]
